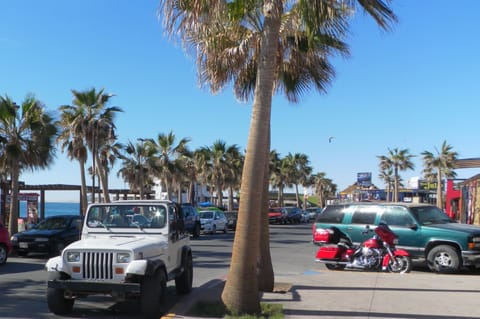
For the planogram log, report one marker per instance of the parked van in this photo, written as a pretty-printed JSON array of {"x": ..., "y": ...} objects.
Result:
[{"x": 424, "y": 231}]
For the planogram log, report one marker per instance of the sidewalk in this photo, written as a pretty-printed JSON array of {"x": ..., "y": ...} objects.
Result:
[{"x": 354, "y": 294}]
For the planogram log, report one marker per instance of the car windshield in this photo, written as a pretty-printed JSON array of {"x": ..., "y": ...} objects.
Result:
[
  {"x": 427, "y": 215},
  {"x": 127, "y": 216},
  {"x": 206, "y": 215},
  {"x": 52, "y": 223}
]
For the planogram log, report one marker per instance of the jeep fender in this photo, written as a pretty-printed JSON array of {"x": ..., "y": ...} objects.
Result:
[
  {"x": 54, "y": 264},
  {"x": 145, "y": 267}
]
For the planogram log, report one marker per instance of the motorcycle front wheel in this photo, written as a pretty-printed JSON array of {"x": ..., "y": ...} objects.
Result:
[{"x": 400, "y": 264}]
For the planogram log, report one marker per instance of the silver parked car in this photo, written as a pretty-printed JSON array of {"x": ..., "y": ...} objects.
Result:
[{"x": 211, "y": 221}]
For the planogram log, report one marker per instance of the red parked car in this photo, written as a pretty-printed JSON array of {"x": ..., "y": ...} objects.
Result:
[
  {"x": 5, "y": 244},
  {"x": 277, "y": 215}
]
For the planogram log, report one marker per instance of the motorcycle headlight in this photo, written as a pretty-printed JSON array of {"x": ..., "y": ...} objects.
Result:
[
  {"x": 73, "y": 256},
  {"x": 123, "y": 258}
]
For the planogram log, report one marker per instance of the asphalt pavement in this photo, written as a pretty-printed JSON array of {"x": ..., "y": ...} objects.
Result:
[{"x": 356, "y": 294}]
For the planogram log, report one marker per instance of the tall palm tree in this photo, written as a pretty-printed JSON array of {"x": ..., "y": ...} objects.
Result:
[
  {"x": 299, "y": 171},
  {"x": 167, "y": 153},
  {"x": 136, "y": 166},
  {"x": 27, "y": 134},
  {"x": 263, "y": 47},
  {"x": 387, "y": 176},
  {"x": 324, "y": 187},
  {"x": 398, "y": 160},
  {"x": 234, "y": 158},
  {"x": 277, "y": 176},
  {"x": 97, "y": 128},
  {"x": 440, "y": 165},
  {"x": 72, "y": 141}
]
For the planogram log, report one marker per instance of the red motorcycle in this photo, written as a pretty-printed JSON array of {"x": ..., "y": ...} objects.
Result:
[{"x": 378, "y": 252}]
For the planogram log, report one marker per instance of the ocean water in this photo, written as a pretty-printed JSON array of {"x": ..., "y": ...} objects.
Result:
[{"x": 53, "y": 209}]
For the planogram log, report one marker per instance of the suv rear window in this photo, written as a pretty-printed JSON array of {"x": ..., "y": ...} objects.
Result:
[{"x": 331, "y": 214}]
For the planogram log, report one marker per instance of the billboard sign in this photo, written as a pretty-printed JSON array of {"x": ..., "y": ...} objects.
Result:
[{"x": 364, "y": 179}]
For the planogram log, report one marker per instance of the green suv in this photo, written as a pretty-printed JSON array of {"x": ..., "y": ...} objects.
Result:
[{"x": 423, "y": 230}]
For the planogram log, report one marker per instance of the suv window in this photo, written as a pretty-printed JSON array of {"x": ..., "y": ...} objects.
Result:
[
  {"x": 397, "y": 216},
  {"x": 364, "y": 215},
  {"x": 331, "y": 214}
]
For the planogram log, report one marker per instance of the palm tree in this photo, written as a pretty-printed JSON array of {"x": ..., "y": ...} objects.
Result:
[
  {"x": 387, "y": 176},
  {"x": 298, "y": 171},
  {"x": 264, "y": 47},
  {"x": 439, "y": 166},
  {"x": 71, "y": 139},
  {"x": 96, "y": 129},
  {"x": 167, "y": 154},
  {"x": 136, "y": 162},
  {"x": 234, "y": 158},
  {"x": 277, "y": 176},
  {"x": 324, "y": 187},
  {"x": 399, "y": 160},
  {"x": 27, "y": 134}
]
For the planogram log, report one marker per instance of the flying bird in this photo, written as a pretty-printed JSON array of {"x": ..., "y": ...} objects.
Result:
[{"x": 330, "y": 139}]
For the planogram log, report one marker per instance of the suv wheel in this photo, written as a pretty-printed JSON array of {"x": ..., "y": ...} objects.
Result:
[
  {"x": 153, "y": 294},
  {"x": 443, "y": 259},
  {"x": 183, "y": 283}
]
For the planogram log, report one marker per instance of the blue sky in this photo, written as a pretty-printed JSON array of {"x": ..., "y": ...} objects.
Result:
[{"x": 413, "y": 87}]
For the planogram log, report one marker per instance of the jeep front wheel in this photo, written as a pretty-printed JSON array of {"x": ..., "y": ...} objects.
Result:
[
  {"x": 443, "y": 259},
  {"x": 57, "y": 303},
  {"x": 153, "y": 295},
  {"x": 183, "y": 283}
]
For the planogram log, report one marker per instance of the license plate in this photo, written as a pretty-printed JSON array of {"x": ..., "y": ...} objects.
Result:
[{"x": 23, "y": 245}]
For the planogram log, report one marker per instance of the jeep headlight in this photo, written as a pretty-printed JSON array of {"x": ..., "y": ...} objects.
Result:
[
  {"x": 73, "y": 256},
  {"x": 123, "y": 258}
]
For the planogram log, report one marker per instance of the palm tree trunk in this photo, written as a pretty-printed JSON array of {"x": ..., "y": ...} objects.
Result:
[
  {"x": 230, "y": 198},
  {"x": 240, "y": 294},
  {"x": 83, "y": 188},
  {"x": 102, "y": 174},
  {"x": 266, "y": 277},
  {"x": 297, "y": 197},
  {"x": 13, "y": 219},
  {"x": 439, "y": 190}
]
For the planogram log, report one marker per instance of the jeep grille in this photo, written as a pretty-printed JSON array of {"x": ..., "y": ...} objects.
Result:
[{"x": 98, "y": 265}]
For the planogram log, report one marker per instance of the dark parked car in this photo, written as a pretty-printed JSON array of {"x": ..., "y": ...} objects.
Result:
[
  {"x": 191, "y": 219},
  {"x": 231, "y": 219},
  {"x": 294, "y": 215},
  {"x": 5, "y": 244},
  {"x": 49, "y": 236}
]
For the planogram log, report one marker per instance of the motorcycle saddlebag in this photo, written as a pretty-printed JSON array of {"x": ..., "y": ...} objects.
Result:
[{"x": 329, "y": 252}]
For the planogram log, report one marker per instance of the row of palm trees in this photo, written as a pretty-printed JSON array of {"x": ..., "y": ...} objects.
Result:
[
  {"x": 86, "y": 130},
  {"x": 437, "y": 166}
]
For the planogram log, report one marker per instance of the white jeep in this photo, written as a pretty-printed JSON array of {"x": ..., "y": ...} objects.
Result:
[{"x": 128, "y": 249}]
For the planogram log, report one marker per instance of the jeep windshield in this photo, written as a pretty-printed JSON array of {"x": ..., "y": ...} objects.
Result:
[
  {"x": 127, "y": 216},
  {"x": 428, "y": 215}
]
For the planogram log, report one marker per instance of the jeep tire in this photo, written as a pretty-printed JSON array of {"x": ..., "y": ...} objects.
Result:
[
  {"x": 443, "y": 259},
  {"x": 153, "y": 295},
  {"x": 57, "y": 303},
  {"x": 183, "y": 283}
]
